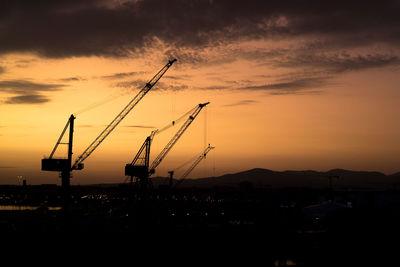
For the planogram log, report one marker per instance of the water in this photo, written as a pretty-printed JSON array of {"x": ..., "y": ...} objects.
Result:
[{"x": 22, "y": 208}]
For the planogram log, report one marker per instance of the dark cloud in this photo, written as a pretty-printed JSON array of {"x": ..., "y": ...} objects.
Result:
[
  {"x": 331, "y": 36},
  {"x": 338, "y": 62},
  {"x": 241, "y": 103},
  {"x": 290, "y": 87},
  {"x": 173, "y": 87},
  {"x": 120, "y": 75},
  {"x": 217, "y": 87},
  {"x": 119, "y": 28},
  {"x": 73, "y": 79},
  {"x": 27, "y": 86},
  {"x": 139, "y": 83},
  {"x": 27, "y": 92},
  {"x": 172, "y": 77},
  {"x": 26, "y": 99},
  {"x": 297, "y": 92},
  {"x": 132, "y": 84},
  {"x": 24, "y": 63}
]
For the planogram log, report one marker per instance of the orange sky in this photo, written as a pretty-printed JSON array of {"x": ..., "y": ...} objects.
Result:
[{"x": 274, "y": 104}]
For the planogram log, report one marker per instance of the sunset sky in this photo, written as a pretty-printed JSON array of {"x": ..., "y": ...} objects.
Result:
[{"x": 292, "y": 85}]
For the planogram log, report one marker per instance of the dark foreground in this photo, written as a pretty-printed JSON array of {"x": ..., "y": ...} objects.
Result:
[{"x": 301, "y": 227}]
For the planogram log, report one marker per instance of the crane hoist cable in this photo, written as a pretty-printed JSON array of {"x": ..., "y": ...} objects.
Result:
[
  {"x": 98, "y": 103},
  {"x": 173, "y": 123},
  {"x": 110, "y": 127}
]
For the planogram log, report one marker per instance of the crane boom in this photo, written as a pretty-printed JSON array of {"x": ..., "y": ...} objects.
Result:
[
  {"x": 110, "y": 127},
  {"x": 197, "y": 161},
  {"x": 139, "y": 167},
  {"x": 176, "y": 137}
]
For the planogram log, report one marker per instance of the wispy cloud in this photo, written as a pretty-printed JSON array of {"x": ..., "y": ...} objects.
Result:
[
  {"x": 73, "y": 79},
  {"x": 27, "y": 92},
  {"x": 242, "y": 103},
  {"x": 121, "y": 75},
  {"x": 300, "y": 92},
  {"x": 26, "y": 99},
  {"x": 337, "y": 62},
  {"x": 216, "y": 87},
  {"x": 139, "y": 83},
  {"x": 24, "y": 63},
  {"x": 289, "y": 87}
]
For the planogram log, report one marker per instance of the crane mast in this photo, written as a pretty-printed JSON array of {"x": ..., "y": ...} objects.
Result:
[
  {"x": 110, "y": 127},
  {"x": 139, "y": 167}
]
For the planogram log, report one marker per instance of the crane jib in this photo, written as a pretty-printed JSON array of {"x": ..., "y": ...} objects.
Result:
[
  {"x": 110, "y": 127},
  {"x": 176, "y": 137}
]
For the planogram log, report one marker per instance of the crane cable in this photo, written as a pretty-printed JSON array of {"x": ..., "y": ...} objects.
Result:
[
  {"x": 99, "y": 103},
  {"x": 173, "y": 123}
]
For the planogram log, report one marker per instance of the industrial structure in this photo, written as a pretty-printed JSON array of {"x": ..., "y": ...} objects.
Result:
[
  {"x": 140, "y": 167},
  {"x": 190, "y": 169},
  {"x": 64, "y": 166}
]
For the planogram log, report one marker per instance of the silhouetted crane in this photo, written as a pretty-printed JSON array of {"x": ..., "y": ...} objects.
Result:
[
  {"x": 188, "y": 171},
  {"x": 140, "y": 167},
  {"x": 64, "y": 165}
]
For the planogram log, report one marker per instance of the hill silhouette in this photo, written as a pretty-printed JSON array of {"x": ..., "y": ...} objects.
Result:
[{"x": 258, "y": 177}]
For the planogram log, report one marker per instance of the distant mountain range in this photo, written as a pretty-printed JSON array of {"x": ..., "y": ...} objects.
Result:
[{"x": 340, "y": 179}]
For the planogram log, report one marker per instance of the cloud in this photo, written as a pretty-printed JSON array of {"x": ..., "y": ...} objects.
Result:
[
  {"x": 26, "y": 99},
  {"x": 27, "y": 92},
  {"x": 139, "y": 83},
  {"x": 172, "y": 77},
  {"x": 69, "y": 28},
  {"x": 132, "y": 84},
  {"x": 217, "y": 87},
  {"x": 72, "y": 79},
  {"x": 24, "y": 63},
  {"x": 121, "y": 75},
  {"x": 333, "y": 37},
  {"x": 338, "y": 62},
  {"x": 290, "y": 87},
  {"x": 2, "y": 70},
  {"x": 26, "y": 86},
  {"x": 241, "y": 103},
  {"x": 297, "y": 92}
]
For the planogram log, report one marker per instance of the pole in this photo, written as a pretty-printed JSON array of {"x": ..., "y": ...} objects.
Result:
[{"x": 66, "y": 174}]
